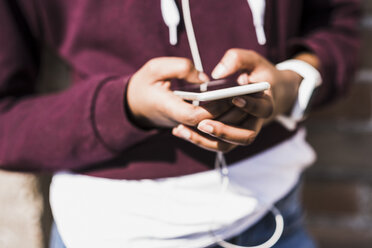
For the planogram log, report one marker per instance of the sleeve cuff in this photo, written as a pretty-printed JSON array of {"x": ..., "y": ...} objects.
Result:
[
  {"x": 311, "y": 80},
  {"x": 110, "y": 117}
]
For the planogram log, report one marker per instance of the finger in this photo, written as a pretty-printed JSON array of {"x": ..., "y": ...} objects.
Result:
[
  {"x": 243, "y": 135},
  {"x": 235, "y": 60},
  {"x": 218, "y": 108},
  {"x": 173, "y": 67},
  {"x": 254, "y": 77},
  {"x": 243, "y": 79},
  {"x": 182, "y": 112},
  {"x": 234, "y": 116},
  {"x": 204, "y": 141},
  {"x": 260, "y": 106}
]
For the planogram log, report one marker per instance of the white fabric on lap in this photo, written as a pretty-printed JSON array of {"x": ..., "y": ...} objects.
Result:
[{"x": 175, "y": 212}]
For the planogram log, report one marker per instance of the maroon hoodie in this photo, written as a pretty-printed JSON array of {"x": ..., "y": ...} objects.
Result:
[{"x": 86, "y": 127}]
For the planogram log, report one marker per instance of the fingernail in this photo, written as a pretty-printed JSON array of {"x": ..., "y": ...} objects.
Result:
[
  {"x": 203, "y": 77},
  {"x": 243, "y": 79},
  {"x": 205, "y": 128},
  {"x": 219, "y": 71},
  {"x": 183, "y": 132},
  {"x": 239, "y": 102}
]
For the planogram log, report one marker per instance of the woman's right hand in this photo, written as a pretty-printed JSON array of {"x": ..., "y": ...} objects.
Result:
[{"x": 151, "y": 102}]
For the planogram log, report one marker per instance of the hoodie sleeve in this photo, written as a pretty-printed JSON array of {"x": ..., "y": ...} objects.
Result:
[
  {"x": 330, "y": 29},
  {"x": 73, "y": 129}
]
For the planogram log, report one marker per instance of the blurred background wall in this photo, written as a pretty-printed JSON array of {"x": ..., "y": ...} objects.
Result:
[
  {"x": 338, "y": 188},
  {"x": 337, "y": 192}
]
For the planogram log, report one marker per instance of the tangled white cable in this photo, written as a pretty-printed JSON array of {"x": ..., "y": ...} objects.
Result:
[
  {"x": 269, "y": 243},
  {"x": 221, "y": 166}
]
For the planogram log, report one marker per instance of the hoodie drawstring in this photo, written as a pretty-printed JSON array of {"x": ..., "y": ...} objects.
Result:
[
  {"x": 258, "y": 12},
  {"x": 171, "y": 17}
]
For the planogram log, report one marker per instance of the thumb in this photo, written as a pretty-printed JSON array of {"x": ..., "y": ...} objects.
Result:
[
  {"x": 165, "y": 68},
  {"x": 235, "y": 60}
]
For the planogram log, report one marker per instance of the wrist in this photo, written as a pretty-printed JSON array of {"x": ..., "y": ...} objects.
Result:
[
  {"x": 310, "y": 80},
  {"x": 290, "y": 84},
  {"x": 130, "y": 102}
]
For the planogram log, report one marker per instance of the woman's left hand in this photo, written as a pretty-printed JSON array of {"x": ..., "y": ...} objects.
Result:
[{"x": 241, "y": 124}]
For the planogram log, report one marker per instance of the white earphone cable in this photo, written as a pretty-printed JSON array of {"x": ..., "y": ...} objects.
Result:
[
  {"x": 191, "y": 36},
  {"x": 220, "y": 162}
]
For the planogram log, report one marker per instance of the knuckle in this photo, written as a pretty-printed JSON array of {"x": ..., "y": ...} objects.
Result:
[
  {"x": 219, "y": 130},
  {"x": 234, "y": 53},
  {"x": 249, "y": 139},
  {"x": 197, "y": 142},
  {"x": 197, "y": 115},
  {"x": 254, "y": 56},
  {"x": 251, "y": 53},
  {"x": 185, "y": 65},
  {"x": 151, "y": 66},
  {"x": 191, "y": 119},
  {"x": 191, "y": 116}
]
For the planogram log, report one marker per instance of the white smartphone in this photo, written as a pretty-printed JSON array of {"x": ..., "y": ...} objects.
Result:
[{"x": 223, "y": 93}]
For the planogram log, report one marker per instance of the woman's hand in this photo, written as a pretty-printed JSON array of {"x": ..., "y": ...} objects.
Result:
[
  {"x": 241, "y": 124},
  {"x": 153, "y": 105}
]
